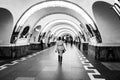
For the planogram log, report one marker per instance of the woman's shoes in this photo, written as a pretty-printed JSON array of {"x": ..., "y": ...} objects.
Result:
[{"x": 60, "y": 59}]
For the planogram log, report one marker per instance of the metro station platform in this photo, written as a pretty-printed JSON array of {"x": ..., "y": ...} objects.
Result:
[{"x": 44, "y": 65}]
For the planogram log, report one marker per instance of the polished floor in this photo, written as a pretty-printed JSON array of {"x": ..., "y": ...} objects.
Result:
[{"x": 44, "y": 65}]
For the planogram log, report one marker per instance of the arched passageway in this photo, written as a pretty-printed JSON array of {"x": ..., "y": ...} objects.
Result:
[
  {"x": 107, "y": 19},
  {"x": 93, "y": 32},
  {"x": 37, "y": 12},
  {"x": 6, "y": 23}
]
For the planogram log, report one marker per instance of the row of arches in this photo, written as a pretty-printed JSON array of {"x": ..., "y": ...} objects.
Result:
[
  {"x": 59, "y": 7},
  {"x": 28, "y": 24}
]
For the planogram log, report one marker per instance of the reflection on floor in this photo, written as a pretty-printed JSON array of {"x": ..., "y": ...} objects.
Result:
[
  {"x": 44, "y": 66},
  {"x": 112, "y": 66}
]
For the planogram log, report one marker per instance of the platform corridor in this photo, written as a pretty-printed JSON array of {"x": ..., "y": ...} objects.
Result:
[{"x": 44, "y": 65}]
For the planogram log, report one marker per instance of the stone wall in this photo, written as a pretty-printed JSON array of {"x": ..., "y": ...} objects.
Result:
[
  {"x": 102, "y": 52},
  {"x": 13, "y": 51}
]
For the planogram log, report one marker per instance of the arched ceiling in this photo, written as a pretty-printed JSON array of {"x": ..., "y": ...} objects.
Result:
[
  {"x": 54, "y": 23},
  {"x": 61, "y": 26},
  {"x": 38, "y": 11},
  {"x": 108, "y": 22},
  {"x": 64, "y": 31},
  {"x": 24, "y": 15},
  {"x": 6, "y": 22},
  {"x": 58, "y": 19},
  {"x": 46, "y": 20},
  {"x": 64, "y": 34}
]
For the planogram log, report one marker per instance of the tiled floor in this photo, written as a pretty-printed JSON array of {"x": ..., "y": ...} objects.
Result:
[{"x": 44, "y": 66}]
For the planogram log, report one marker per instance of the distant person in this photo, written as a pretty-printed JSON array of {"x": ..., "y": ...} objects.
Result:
[
  {"x": 66, "y": 42},
  {"x": 71, "y": 42},
  {"x": 41, "y": 42},
  {"x": 60, "y": 49}
]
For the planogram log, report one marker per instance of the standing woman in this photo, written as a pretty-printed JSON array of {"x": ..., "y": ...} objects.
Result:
[{"x": 60, "y": 48}]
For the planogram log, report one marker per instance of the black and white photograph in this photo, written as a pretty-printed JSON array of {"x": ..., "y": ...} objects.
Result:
[{"x": 59, "y": 39}]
